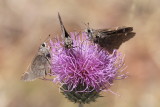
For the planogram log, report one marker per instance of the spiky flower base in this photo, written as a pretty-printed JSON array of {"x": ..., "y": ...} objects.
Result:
[{"x": 80, "y": 97}]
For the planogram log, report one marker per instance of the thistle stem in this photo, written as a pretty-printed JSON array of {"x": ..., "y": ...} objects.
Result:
[{"x": 80, "y": 105}]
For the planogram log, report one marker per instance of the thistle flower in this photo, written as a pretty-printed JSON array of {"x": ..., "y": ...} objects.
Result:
[{"x": 84, "y": 70}]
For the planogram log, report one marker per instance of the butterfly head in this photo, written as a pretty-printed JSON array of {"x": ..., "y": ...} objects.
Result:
[
  {"x": 89, "y": 32},
  {"x": 44, "y": 50},
  {"x": 43, "y": 45}
]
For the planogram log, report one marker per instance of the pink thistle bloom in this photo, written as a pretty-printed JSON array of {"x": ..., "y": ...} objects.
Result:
[{"x": 84, "y": 65}]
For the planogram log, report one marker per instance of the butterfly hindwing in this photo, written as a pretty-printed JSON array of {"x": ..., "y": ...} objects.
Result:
[
  {"x": 114, "y": 41},
  {"x": 39, "y": 68}
]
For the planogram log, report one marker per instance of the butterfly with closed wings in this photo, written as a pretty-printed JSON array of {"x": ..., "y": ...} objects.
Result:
[
  {"x": 68, "y": 42},
  {"x": 111, "y": 38},
  {"x": 40, "y": 65}
]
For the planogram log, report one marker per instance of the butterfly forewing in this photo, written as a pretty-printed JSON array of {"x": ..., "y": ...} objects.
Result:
[{"x": 116, "y": 30}]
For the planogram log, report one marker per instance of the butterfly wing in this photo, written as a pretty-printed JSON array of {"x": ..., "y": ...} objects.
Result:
[
  {"x": 115, "y": 30},
  {"x": 68, "y": 42},
  {"x": 111, "y": 39},
  {"x": 64, "y": 32},
  {"x": 39, "y": 68}
]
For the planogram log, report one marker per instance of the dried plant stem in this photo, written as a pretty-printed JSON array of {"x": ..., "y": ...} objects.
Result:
[{"x": 80, "y": 105}]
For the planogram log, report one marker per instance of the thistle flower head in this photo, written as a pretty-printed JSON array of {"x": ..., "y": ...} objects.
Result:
[{"x": 84, "y": 69}]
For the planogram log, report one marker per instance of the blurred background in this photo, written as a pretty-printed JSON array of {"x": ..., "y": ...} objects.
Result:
[{"x": 24, "y": 24}]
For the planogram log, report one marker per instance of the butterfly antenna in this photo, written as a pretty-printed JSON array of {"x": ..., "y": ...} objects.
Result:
[
  {"x": 88, "y": 24},
  {"x": 40, "y": 38},
  {"x": 47, "y": 38},
  {"x": 84, "y": 24}
]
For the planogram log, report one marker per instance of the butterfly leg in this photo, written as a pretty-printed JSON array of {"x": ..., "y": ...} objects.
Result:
[{"x": 46, "y": 79}]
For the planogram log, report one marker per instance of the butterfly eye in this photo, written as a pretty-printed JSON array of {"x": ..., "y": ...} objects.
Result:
[
  {"x": 89, "y": 31},
  {"x": 43, "y": 45}
]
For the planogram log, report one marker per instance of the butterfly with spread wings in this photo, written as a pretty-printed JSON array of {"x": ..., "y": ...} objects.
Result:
[
  {"x": 40, "y": 65},
  {"x": 110, "y": 39}
]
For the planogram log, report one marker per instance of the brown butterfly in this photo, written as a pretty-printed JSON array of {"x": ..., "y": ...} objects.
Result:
[
  {"x": 68, "y": 42},
  {"x": 110, "y": 39},
  {"x": 40, "y": 65}
]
